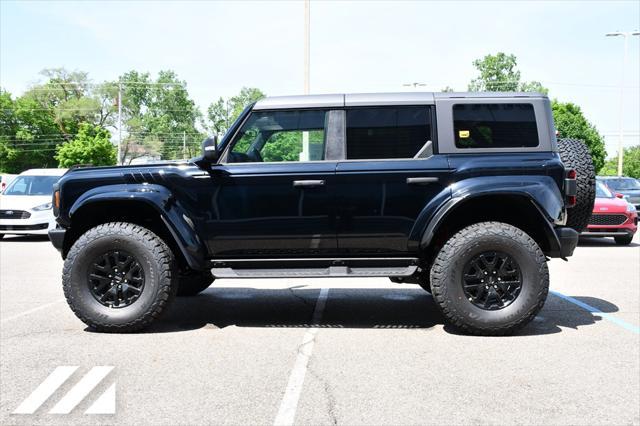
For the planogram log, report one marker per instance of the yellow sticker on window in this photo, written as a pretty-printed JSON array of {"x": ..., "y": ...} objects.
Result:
[{"x": 463, "y": 134}]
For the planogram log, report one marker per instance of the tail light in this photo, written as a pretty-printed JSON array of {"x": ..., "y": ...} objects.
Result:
[{"x": 570, "y": 187}]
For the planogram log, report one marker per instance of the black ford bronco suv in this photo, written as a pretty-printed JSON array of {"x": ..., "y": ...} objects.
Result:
[{"x": 467, "y": 195}]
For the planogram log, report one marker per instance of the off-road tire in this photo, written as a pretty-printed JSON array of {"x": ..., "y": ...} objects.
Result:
[
  {"x": 447, "y": 270},
  {"x": 156, "y": 260},
  {"x": 624, "y": 240},
  {"x": 575, "y": 154},
  {"x": 193, "y": 283}
]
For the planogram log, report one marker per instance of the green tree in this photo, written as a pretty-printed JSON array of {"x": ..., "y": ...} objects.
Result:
[
  {"x": 571, "y": 123},
  {"x": 73, "y": 99},
  {"x": 92, "y": 145},
  {"x": 630, "y": 163},
  {"x": 499, "y": 73},
  {"x": 222, "y": 113},
  {"x": 159, "y": 117},
  {"x": 533, "y": 86},
  {"x": 28, "y": 134}
]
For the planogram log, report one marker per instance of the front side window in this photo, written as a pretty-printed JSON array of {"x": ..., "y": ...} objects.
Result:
[
  {"x": 277, "y": 136},
  {"x": 387, "y": 132},
  {"x": 494, "y": 126}
]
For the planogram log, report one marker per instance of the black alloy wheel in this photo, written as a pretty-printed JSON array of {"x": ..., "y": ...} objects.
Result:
[
  {"x": 492, "y": 280},
  {"x": 116, "y": 279}
]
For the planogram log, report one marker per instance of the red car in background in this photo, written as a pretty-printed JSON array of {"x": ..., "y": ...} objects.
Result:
[{"x": 612, "y": 216}]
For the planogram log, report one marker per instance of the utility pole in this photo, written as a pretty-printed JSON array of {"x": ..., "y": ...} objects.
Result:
[
  {"x": 119, "y": 159},
  {"x": 305, "y": 155},
  {"x": 626, "y": 36},
  {"x": 307, "y": 38},
  {"x": 184, "y": 145}
]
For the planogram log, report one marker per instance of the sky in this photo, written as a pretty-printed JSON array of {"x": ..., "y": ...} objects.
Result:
[{"x": 218, "y": 47}]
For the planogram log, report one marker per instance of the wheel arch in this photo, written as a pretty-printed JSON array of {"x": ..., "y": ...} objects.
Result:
[
  {"x": 514, "y": 208},
  {"x": 150, "y": 206}
]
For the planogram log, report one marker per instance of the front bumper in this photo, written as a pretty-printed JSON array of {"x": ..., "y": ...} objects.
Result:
[
  {"x": 38, "y": 224},
  {"x": 629, "y": 227},
  {"x": 57, "y": 238}
]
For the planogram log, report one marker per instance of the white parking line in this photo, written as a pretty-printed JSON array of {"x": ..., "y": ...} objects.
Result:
[
  {"x": 289, "y": 404},
  {"x": 30, "y": 311},
  {"x": 81, "y": 389},
  {"x": 45, "y": 390}
]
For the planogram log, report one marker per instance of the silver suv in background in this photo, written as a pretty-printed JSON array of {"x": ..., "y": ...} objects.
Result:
[{"x": 627, "y": 186}]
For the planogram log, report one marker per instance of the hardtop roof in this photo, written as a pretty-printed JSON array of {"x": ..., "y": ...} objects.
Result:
[{"x": 375, "y": 99}]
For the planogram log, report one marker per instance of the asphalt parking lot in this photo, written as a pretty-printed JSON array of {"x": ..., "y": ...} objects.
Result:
[{"x": 330, "y": 351}]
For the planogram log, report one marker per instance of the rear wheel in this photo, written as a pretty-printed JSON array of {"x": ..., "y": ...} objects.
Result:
[
  {"x": 118, "y": 277},
  {"x": 575, "y": 155},
  {"x": 624, "y": 240},
  {"x": 490, "y": 278}
]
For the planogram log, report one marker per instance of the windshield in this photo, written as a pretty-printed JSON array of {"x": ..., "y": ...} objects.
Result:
[
  {"x": 32, "y": 185},
  {"x": 622, "y": 184},
  {"x": 602, "y": 191}
]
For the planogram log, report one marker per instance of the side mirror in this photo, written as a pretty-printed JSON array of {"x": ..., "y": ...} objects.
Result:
[
  {"x": 210, "y": 151},
  {"x": 619, "y": 195}
]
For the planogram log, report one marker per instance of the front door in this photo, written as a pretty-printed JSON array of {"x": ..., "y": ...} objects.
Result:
[
  {"x": 387, "y": 178},
  {"x": 271, "y": 194}
]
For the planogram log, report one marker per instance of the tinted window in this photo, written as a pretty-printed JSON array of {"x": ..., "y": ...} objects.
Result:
[
  {"x": 494, "y": 126},
  {"x": 274, "y": 136},
  {"x": 387, "y": 132}
]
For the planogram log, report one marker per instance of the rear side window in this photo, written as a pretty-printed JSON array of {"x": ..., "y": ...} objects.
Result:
[
  {"x": 387, "y": 132},
  {"x": 494, "y": 126}
]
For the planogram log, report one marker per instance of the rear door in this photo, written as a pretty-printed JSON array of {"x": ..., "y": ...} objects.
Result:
[{"x": 389, "y": 174}]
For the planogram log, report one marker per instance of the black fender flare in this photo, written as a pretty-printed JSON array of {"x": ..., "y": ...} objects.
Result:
[
  {"x": 173, "y": 215},
  {"x": 540, "y": 191}
]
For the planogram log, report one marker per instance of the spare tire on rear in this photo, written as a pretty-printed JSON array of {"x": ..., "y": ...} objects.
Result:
[{"x": 574, "y": 153}]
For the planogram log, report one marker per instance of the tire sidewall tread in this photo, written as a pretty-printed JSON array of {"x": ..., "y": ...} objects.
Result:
[
  {"x": 156, "y": 260},
  {"x": 446, "y": 281}
]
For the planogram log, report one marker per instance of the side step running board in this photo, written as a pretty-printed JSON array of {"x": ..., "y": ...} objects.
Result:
[{"x": 327, "y": 272}]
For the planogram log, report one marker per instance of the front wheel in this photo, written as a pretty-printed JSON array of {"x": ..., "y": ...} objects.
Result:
[
  {"x": 490, "y": 278},
  {"x": 118, "y": 277}
]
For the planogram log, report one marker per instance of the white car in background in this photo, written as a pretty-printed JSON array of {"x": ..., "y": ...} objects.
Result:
[
  {"x": 25, "y": 204},
  {"x": 5, "y": 180}
]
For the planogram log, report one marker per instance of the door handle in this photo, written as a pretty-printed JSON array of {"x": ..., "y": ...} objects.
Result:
[
  {"x": 308, "y": 183},
  {"x": 421, "y": 180}
]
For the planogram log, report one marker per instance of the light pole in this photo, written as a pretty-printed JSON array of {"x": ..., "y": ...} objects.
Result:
[
  {"x": 414, "y": 85},
  {"x": 626, "y": 35},
  {"x": 305, "y": 154},
  {"x": 119, "y": 159},
  {"x": 307, "y": 38}
]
